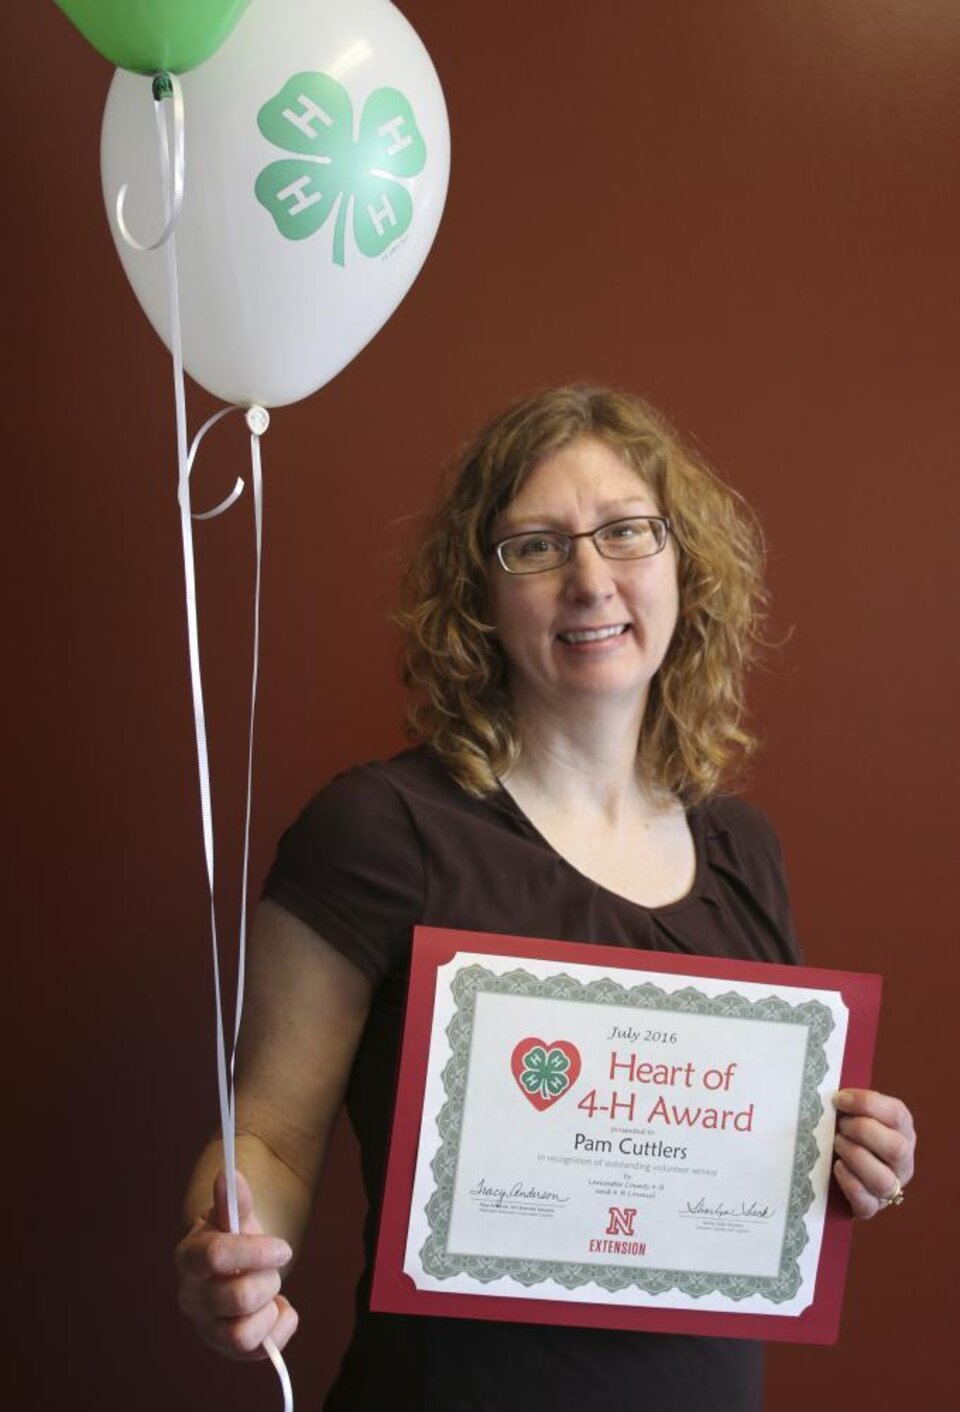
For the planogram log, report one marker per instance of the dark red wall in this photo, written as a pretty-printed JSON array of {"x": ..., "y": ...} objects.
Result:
[{"x": 747, "y": 209}]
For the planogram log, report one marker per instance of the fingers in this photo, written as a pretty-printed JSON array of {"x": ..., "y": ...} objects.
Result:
[
  {"x": 875, "y": 1144},
  {"x": 229, "y": 1289},
  {"x": 890, "y": 1146},
  {"x": 229, "y": 1283},
  {"x": 286, "y": 1325},
  {"x": 867, "y": 1103},
  {"x": 233, "y": 1298},
  {"x": 233, "y": 1315},
  {"x": 242, "y": 1338},
  {"x": 863, "y": 1203},
  {"x": 210, "y": 1254},
  {"x": 870, "y": 1179}
]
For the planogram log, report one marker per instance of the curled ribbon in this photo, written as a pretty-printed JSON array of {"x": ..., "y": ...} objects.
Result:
[{"x": 171, "y": 174}]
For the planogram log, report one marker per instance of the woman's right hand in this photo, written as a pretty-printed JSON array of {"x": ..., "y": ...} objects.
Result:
[{"x": 229, "y": 1285}]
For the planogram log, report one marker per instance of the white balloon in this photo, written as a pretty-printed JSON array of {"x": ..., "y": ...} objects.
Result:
[{"x": 297, "y": 238}]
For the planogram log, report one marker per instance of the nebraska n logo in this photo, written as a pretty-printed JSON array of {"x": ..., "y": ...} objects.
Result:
[{"x": 621, "y": 1220}]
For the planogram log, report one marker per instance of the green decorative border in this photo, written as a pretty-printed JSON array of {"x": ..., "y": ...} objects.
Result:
[{"x": 475, "y": 980}]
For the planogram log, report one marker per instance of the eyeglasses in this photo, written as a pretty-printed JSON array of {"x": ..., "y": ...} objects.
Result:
[{"x": 538, "y": 550}]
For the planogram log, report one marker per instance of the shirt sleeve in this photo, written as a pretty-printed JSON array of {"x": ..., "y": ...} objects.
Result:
[
  {"x": 754, "y": 858},
  {"x": 351, "y": 867}
]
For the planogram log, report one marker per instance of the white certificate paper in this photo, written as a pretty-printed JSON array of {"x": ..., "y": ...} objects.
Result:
[{"x": 620, "y": 1136}]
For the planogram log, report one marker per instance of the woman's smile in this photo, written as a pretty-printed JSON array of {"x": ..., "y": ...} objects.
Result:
[{"x": 593, "y": 637}]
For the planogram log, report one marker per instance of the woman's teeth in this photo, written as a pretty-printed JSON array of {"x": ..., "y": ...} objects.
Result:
[{"x": 592, "y": 634}]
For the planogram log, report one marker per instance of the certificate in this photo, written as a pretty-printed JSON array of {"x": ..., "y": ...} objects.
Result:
[{"x": 594, "y": 1135}]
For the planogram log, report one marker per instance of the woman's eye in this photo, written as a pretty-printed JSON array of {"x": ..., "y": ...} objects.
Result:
[
  {"x": 534, "y": 545},
  {"x": 628, "y": 529}
]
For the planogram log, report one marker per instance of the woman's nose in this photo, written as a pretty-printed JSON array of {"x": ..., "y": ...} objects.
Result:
[{"x": 589, "y": 576}]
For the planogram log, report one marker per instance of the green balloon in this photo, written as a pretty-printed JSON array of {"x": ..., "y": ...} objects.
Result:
[{"x": 149, "y": 35}]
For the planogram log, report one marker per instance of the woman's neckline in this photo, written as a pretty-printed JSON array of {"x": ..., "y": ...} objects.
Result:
[{"x": 694, "y": 819}]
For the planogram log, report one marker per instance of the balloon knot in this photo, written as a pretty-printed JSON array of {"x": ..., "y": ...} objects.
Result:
[
  {"x": 258, "y": 419},
  {"x": 162, "y": 86}
]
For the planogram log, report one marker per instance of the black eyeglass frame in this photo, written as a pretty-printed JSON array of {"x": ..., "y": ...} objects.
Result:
[{"x": 568, "y": 540}]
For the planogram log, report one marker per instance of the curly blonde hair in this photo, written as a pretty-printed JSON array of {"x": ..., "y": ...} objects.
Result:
[{"x": 692, "y": 733}]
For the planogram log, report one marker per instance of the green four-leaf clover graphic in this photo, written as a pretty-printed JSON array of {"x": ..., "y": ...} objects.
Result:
[
  {"x": 312, "y": 115},
  {"x": 545, "y": 1073}
]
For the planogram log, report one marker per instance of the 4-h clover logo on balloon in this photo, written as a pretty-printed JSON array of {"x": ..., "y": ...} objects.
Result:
[
  {"x": 544, "y": 1072},
  {"x": 312, "y": 115}
]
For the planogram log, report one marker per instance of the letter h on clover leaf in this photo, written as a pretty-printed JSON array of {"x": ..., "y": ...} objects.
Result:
[
  {"x": 312, "y": 116},
  {"x": 545, "y": 1074}
]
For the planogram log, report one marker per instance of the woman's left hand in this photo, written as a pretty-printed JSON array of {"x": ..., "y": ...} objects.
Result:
[{"x": 875, "y": 1143}]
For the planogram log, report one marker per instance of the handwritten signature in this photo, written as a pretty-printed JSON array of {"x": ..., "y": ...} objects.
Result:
[
  {"x": 748, "y": 1209},
  {"x": 518, "y": 1192}
]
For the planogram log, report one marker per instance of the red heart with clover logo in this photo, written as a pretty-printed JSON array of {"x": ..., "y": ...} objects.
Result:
[{"x": 545, "y": 1072}]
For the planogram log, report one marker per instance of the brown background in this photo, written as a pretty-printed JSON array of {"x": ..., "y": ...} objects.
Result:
[{"x": 745, "y": 209}]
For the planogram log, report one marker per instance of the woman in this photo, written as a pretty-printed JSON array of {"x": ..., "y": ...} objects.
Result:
[{"x": 579, "y": 620}]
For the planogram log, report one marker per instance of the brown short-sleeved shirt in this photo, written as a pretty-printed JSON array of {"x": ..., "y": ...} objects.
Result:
[{"x": 388, "y": 846}]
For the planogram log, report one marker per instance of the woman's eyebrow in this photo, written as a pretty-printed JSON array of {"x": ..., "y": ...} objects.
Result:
[{"x": 546, "y": 519}]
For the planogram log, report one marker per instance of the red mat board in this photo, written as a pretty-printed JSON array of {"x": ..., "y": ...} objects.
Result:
[{"x": 394, "y": 1291}]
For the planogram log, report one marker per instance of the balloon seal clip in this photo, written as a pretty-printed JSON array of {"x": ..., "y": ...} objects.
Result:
[{"x": 258, "y": 419}]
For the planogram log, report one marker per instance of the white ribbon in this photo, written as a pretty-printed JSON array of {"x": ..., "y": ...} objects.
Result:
[
  {"x": 257, "y": 421},
  {"x": 164, "y": 85}
]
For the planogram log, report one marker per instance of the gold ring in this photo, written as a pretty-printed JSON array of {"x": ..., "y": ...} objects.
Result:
[{"x": 895, "y": 1198}]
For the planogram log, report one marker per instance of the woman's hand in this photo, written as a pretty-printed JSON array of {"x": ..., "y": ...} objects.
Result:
[
  {"x": 875, "y": 1144},
  {"x": 305, "y": 1010},
  {"x": 229, "y": 1285}
]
